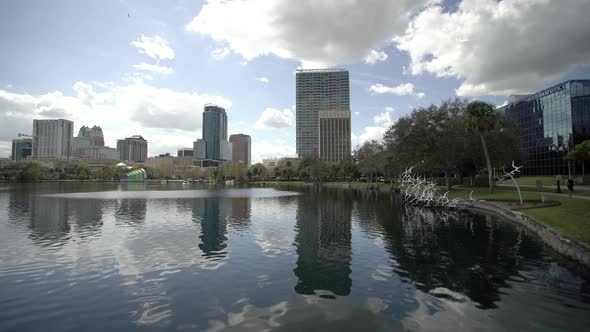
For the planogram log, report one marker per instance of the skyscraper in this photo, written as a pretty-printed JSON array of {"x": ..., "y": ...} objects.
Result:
[
  {"x": 241, "y": 148},
  {"x": 94, "y": 135},
  {"x": 133, "y": 149},
  {"x": 214, "y": 144},
  {"x": 318, "y": 91},
  {"x": 52, "y": 139}
]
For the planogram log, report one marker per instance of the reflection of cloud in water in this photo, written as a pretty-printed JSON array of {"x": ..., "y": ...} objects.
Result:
[
  {"x": 148, "y": 255},
  {"x": 271, "y": 235},
  {"x": 307, "y": 313}
]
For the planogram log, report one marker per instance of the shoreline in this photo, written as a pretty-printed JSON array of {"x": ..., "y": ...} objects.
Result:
[{"x": 569, "y": 248}]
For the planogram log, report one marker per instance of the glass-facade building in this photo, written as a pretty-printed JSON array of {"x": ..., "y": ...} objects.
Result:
[
  {"x": 551, "y": 123},
  {"x": 214, "y": 145},
  {"x": 21, "y": 148}
]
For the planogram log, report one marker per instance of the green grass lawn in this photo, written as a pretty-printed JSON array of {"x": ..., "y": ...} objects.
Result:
[
  {"x": 547, "y": 180},
  {"x": 572, "y": 217}
]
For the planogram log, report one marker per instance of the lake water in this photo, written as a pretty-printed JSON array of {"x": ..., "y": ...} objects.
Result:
[{"x": 110, "y": 257}]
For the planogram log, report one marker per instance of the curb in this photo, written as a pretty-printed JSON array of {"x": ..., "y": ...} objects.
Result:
[{"x": 570, "y": 248}]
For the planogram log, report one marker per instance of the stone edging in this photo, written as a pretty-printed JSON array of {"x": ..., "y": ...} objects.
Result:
[{"x": 570, "y": 248}]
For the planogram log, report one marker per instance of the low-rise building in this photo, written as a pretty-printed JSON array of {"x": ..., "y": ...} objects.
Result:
[
  {"x": 185, "y": 152},
  {"x": 271, "y": 163},
  {"x": 172, "y": 166},
  {"x": 21, "y": 148}
]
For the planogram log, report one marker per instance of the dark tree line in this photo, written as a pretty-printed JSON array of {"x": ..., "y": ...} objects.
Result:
[{"x": 453, "y": 139}]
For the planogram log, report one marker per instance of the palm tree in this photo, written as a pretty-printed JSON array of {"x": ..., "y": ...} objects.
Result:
[{"x": 482, "y": 118}]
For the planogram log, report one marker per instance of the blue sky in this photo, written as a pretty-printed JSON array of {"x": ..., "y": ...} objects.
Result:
[{"x": 147, "y": 67}]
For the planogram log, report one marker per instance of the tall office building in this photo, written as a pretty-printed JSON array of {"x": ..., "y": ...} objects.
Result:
[
  {"x": 318, "y": 91},
  {"x": 52, "y": 139},
  {"x": 551, "y": 123},
  {"x": 214, "y": 145},
  {"x": 334, "y": 135},
  {"x": 133, "y": 149},
  {"x": 21, "y": 148},
  {"x": 241, "y": 148},
  {"x": 94, "y": 135}
]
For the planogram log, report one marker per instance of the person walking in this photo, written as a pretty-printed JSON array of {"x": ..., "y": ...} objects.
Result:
[{"x": 570, "y": 186}]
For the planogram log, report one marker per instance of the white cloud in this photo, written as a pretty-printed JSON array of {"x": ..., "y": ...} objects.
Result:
[
  {"x": 357, "y": 113},
  {"x": 220, "y": 53},
  {"x": 263, "y": 79},
  {"x": 271, "y": 149},
  {"x": 155, "y": 68},
  {"x": 316, "y": 33},
  {"x": 406, "y": 89},
  {"x": 165, "y": 117},
  {"x": 375, "y": 56},
  {"x": 382, "y": 122},
  {"x": 274, "y": 118},
  {"x": 499, "y": 47},
  {"x": 155, "y": 47}
]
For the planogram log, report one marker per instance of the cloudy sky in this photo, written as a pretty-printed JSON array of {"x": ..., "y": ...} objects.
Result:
[{"x": 147, "y": 67}]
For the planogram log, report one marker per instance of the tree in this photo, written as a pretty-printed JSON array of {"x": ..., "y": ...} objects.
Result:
[
  {"x": 482, "y": 118},
  {"x": 312, "y": 168},
  {"x": 368, "y": 158},
  {"x": 432, "y": 139},
  {"x": 581, "y": 152},
  {"x": 348, "y": 169},
  {"x": 258, "y": 171}
]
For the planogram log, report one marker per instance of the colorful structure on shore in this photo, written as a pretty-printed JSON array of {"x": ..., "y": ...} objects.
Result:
[{"x": 138, "y": 175}]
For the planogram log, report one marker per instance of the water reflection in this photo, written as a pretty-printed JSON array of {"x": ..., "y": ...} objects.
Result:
[
  {"x": 212, "y": 214},
  {"x": 88, "y": 217},
  {"x": 323, "y": 244},
  {"x": 240, "y": 212},
  {"x": 130, "y": 211},
  {"x": 49, "y": 220}
]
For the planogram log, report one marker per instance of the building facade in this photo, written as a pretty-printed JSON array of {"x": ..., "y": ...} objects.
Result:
[
  {"x": 133, "y": 149},
  {"x": 185, "y": 152},
  {"x": 213, "y": 147},
  {"x": 334, "y": 129},
  {"x": 21, "y": 149},
  {"x": 171, "y": 166},
  {"x": 241, "y": 148},
  {"x": 94, "y": 135},
  {"x": 79, "y": 146},
  {"x": 551, "y": 123},
  {"x": 52, "y": 139},
  {"x": 320, "y": 90}
]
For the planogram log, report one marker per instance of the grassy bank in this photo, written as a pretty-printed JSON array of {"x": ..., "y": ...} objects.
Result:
[
  {"x": 547, "y": 180},
  {"x": 572, "y": 217}
]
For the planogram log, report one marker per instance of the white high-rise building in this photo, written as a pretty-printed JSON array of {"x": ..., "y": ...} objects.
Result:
[
  {"x": 52, "y": 139},
  {"x": 318, "y": 91}
]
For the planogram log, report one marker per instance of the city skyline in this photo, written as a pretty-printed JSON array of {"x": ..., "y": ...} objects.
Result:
[{"x": 152, "y": 67}]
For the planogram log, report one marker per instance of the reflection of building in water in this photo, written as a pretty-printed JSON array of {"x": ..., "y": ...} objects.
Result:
[
  {"x": 87, "y": 215},
  {"x": 240, "y": 212},
  {"x": 131, "y": 210},
  {"x": 212, "y": 214},
  {"x": 323, "y": 243},
  {"x": 49, "y": 218}
]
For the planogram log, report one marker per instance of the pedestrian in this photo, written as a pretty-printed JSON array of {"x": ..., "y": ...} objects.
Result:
[{"x": 570, "y": 186}]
